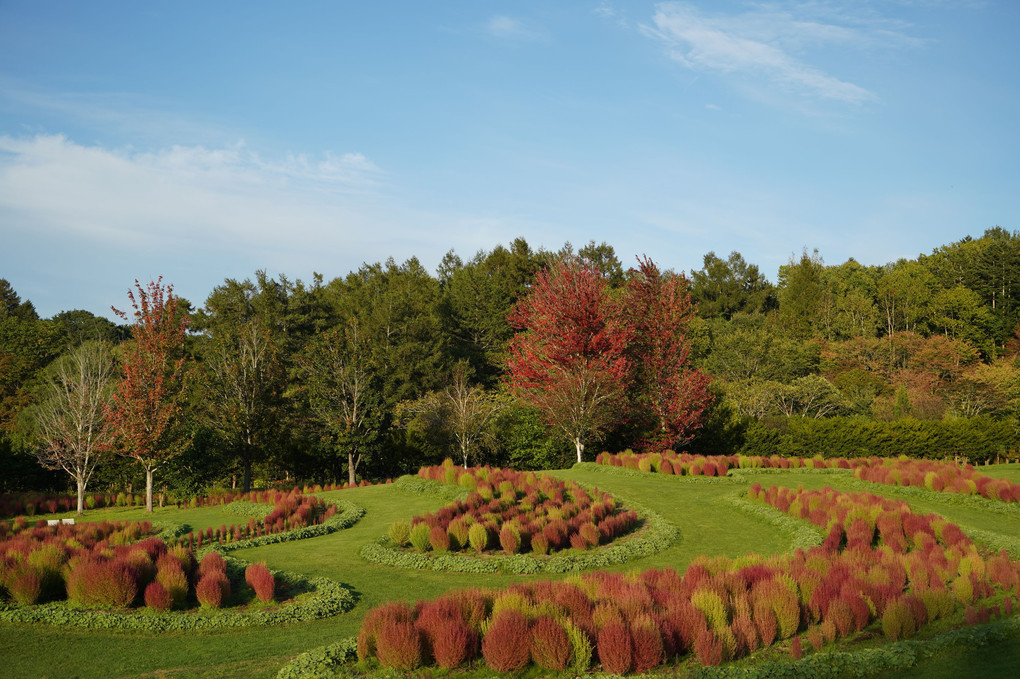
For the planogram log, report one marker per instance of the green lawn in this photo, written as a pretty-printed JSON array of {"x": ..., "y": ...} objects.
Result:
[{"x": 708, "y": 522}]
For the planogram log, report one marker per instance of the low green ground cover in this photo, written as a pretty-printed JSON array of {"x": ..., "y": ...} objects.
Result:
[{"x": 709, "y": 520}]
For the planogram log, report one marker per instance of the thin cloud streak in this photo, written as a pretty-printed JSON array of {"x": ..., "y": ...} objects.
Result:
[{"x": 760, "y": 45}]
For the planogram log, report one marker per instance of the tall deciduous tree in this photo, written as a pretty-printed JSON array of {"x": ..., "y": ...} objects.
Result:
[
  {"x": 570, "y": 359},
  {"x": 462, "y": 412},
  {"x": 343, "y": 390},
  {"x": 666, "y": 388},
  {"x": 245, "y": 380},
  {"x": 146, "y": 405},
  {"x": 70, "y": 420}
]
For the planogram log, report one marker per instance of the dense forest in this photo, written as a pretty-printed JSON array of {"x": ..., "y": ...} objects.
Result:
[{"x": 392, "y": 367}]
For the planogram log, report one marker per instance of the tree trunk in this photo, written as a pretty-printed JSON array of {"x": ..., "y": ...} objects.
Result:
[
  {"x": 580, "y": 448},
  {"x": 148, "y": 489},
  {"x": 246, "y": 482},
  {"x": 350, "y": 468},
  {"x": 81, "y": 495}
]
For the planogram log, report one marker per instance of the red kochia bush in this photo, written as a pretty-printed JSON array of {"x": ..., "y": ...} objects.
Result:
[
  {"x": 213, "y": 589},
  {"x": 156, "y": 597},
  {"x": 453, "y": 642},
  {"x": 507, "y": 645},
  {"x": 647, "y": 642},
  {"x": 95, "y": 582},
  {"x": 212, "y": 562},
  {"x": 550, "y": 647},
  {"x": 25, "y": 587},
  {"x": 373, "y": 623},
  {"x": 398, "y": 645},
  {"x": 260, "y": 579},
  {"x": 616, "y": 650}
]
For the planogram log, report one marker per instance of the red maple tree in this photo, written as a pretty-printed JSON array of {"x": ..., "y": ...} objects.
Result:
[
  {"x": 147, "y": 401},
  {"x": 570, "y": 361},
  {"x": 667, "y": 393}
]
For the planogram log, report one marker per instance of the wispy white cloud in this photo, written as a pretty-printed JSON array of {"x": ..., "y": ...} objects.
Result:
[
  {"x": 773, "y": 43},
  {"x": 182, "y": 194},
  {"x": 509, "y": 28}
]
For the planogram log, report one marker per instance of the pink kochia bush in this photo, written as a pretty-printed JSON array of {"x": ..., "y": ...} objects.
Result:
[
  {"x": 946, "y": 477},
  {"x": 521, "y": 512},
  {"x": 260, "y": 579},
  {"x": 880, "y": 564}
]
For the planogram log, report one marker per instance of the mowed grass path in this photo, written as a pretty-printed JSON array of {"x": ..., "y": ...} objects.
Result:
[{"x": 708, "y": 523}]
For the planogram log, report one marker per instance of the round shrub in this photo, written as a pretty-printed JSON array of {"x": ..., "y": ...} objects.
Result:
[
  {"x": 478, "y": 536},
  {"x": 100, "y": 582},
  {"x": 439, "y": 539},
  {"x": 157, "y": 598},
  {"x": 211, "y": 562},
  {"x": 616, "y": 650},
  {"x": 453, "y": 642},
  {"x": 398, "y": 645},
  {"x": 25, "y": 587},
  {"x": 506, "y": 647},
  {"x": 173, "y": 579},
  {"x": 400, "y": 532},
  {"x": 509, "y": 539},
  {"x": 212, "y": 589},
  {"x": 550, "y": 647},
  {"x": 420, "y": 537},
  {"x": 260, "y": 579}
]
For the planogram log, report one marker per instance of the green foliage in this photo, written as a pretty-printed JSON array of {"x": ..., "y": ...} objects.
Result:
[
  {"x": 319, "y": 662},
  {"x": 400, "y": 532},
  {"x": 976, "y": 439}
]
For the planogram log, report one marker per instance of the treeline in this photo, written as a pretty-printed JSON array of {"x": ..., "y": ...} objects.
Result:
[{"x": 823, "y": 360}]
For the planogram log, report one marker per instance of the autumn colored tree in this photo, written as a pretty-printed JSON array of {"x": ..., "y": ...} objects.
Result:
[
  {"x": 147, "y": 400},
  {"x": 569, "y": 360},
  {"x": 70, "y": 427},
  {"x": 666, "y": 390}
]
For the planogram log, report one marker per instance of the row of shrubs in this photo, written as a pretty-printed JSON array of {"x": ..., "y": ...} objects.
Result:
[
  {"x": 514, "y": 512},
  {"x": 270, "y": 496},
  {"x": 934, "y": 475},
  {"x": 879, "y": 563},
  {"x": 101, "y": 565},
  {"x": 290, "y": 511},
  {"x": 30, "y": 504}
]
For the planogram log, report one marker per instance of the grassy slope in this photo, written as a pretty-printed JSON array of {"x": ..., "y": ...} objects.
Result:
[{"x": 709, "y": 525}]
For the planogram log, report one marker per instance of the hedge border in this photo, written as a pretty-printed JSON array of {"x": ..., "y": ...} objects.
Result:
[
  {"x": 659, "y": 534},
  {"x": 802, "y": 534},
  {"x": 326, "y": 598},
  {"x": 318, "y": 661},
  {"x": 411, "y": 483}
]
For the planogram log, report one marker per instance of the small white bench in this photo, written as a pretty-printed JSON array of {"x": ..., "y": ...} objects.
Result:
[{"x": 57, "y": 522}]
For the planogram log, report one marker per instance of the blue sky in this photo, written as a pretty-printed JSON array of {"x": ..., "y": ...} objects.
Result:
[{"x": 200, "y": 141}]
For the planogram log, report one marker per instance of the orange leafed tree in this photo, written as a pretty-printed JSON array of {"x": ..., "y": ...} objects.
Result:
[
  {"x": 569, "y": 360},
  {"x": 668, "y": 395},
  {"x": 146, "y": 404}
]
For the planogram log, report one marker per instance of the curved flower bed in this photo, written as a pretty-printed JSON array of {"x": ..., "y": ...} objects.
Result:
[
  {"x": 880, "y": 564},
  {"x": 514, "y": 512},
  {"x": 105, "y": 574},
  {"x": 930, "y": 474}
]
